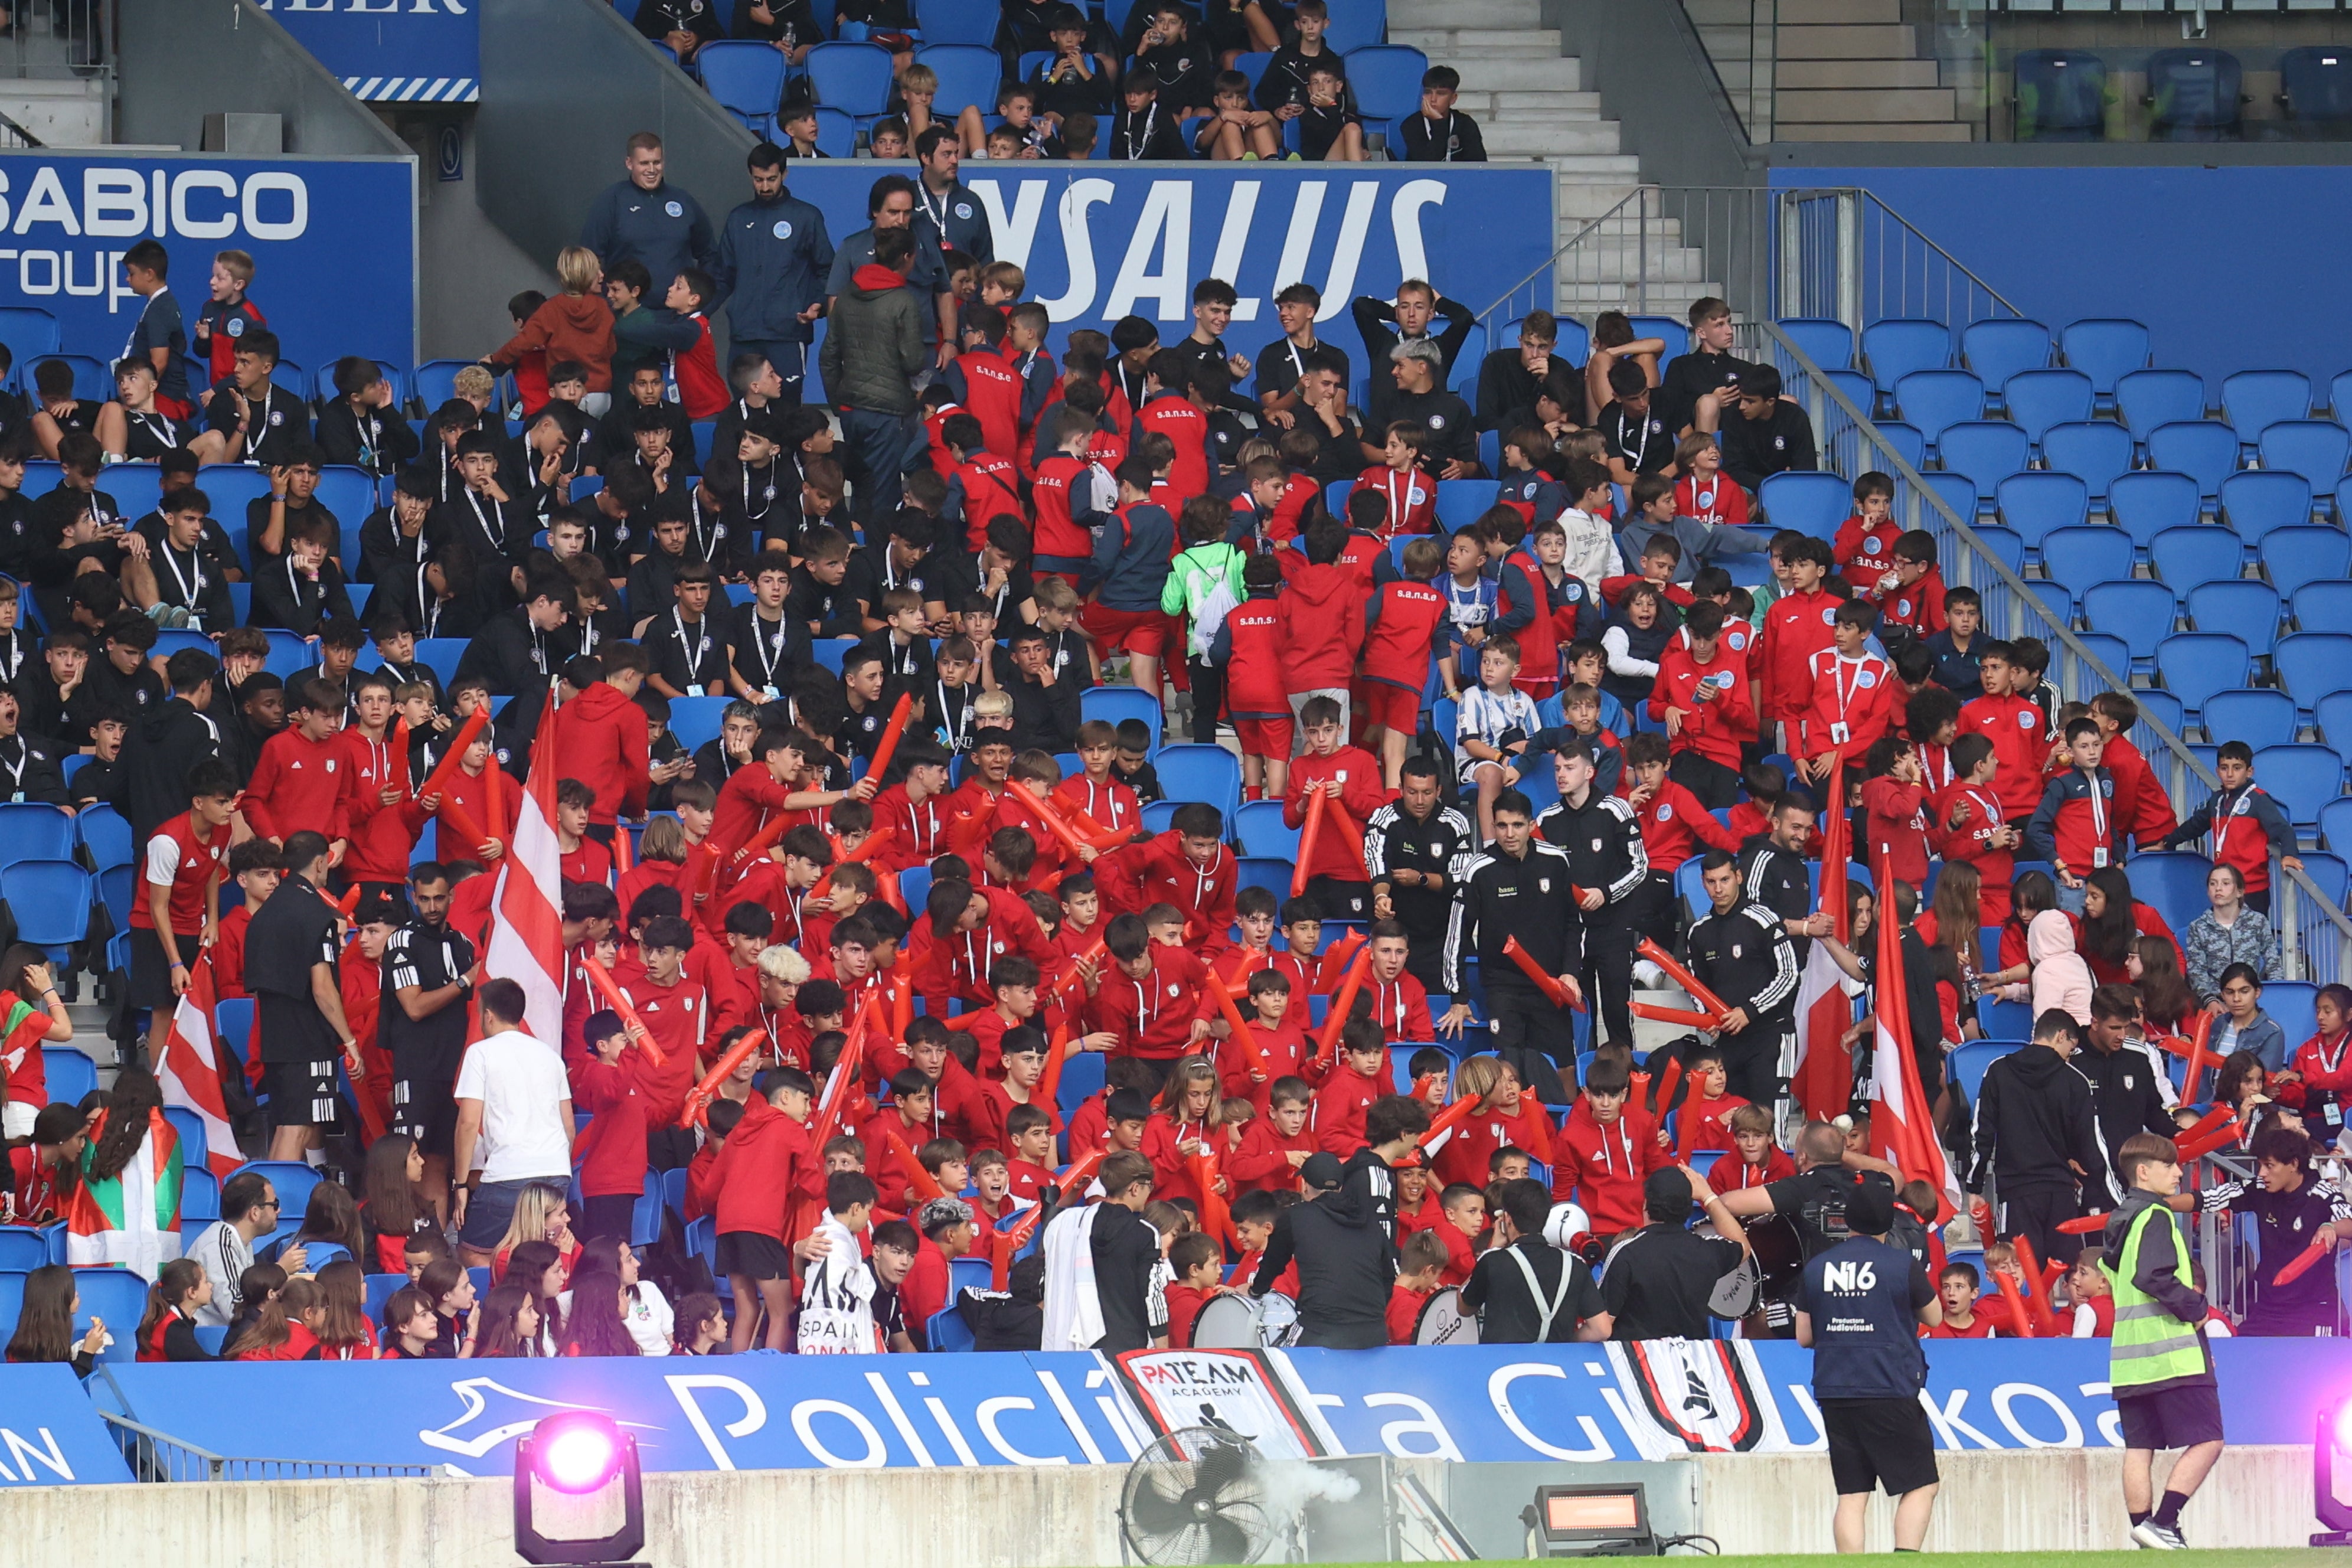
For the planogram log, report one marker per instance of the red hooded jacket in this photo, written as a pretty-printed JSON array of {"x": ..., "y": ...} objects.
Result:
[{"x": 600, "y": 740}]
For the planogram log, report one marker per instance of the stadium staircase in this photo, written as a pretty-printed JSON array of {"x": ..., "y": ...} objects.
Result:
[
  {"x": 1532, "y": 101},
  {"x": 1829, "y": 70}
]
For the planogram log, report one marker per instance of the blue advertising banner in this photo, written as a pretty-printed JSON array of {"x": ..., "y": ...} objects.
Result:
[
  {"x": 49, "y": 1433},
  {"x": 1099, "y": 240},
  {"x": 390, "y": 51},
  {"x": 1474, "y": 1404},
  {"x": 333, "y": 242}
]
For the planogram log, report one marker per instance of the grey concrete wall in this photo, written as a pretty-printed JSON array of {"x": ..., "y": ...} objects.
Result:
[
  {"x": 472, "y": 266},
  {"x": 1655, "y": 81},
  {"x": 2047, "y": 1500},
  {"x": 183, "y": 59}
]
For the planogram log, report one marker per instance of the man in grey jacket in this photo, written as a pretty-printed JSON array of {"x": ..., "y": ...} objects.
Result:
[{"x": 871, "y": 356}]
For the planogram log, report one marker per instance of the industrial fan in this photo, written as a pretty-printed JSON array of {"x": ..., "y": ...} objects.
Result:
[{"x": 1198, "y": 1495}]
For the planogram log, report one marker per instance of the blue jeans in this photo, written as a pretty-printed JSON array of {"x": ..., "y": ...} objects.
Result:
[
  {"x": 883, "y": 445},
  {"x": 2070, "y": 898}
]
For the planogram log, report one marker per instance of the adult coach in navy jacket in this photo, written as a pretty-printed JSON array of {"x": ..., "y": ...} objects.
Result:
[
  {"x": 771, "y": 265},
  {"x": 647, "y": 219}
]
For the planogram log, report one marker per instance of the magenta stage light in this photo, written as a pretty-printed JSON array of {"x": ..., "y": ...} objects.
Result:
[{"x": 579, "y": 1498}]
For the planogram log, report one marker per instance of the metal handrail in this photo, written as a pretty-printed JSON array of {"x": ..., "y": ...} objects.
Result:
[
  {"x": 1550, "y": 263},
  {"x": 155, "y": 1456},
  {"x": 1954, "y": 262},
  {"x": 1980, "y": 559}
]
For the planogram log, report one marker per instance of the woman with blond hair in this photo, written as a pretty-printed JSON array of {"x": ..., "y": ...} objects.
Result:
[{"x": 576, "y": 325}]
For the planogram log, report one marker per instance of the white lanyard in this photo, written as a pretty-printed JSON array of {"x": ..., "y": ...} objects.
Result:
[
  {"x": 538, "y": 644},
  {"x": 768, "y": 655},
  {"x": 960, "y": 725},
  {"x": 15, "y": 659},
  {"x": 2098, "y": 821},
  {"x": 1837, "y": 681},
  {"x": 1150, "y": 117},
  {"x": 2222, "y": 819},
  {"x": 498, "y": 545},
  {"x": 159, "y": 426},
  {"x": 260, "y": 431},
  {"x": 701, "y": 642},
  {"x": 1397, "y": 504},
  {"x": 17, "y": 768},
  {"x": 371, "y": 434},
  {"x": 1297, "y": 361},
  {"x": 294, "y": 584},
  {"x": 1449, "y": 141},
  {"x": 1633, "y": 455},
  {"x": 764, "y": 500},
  {"x": 189, "y": 593},
  {"x": 938, "y": 219},
  {"x": 705, "y": 547},
  {"x": 2327, "y": 1062}
]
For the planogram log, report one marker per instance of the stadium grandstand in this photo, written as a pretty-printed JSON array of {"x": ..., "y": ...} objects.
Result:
[{"x": 1452, "y": 830}]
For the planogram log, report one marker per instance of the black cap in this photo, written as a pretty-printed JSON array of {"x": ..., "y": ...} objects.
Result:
[
  {"x": 1322, "y": 1171},
  {"x": 1869, "y": 1209},
  {"x": 1666, "y": 1194}
]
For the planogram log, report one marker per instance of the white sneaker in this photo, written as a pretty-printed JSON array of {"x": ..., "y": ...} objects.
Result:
[
  {"x": 2157, "y": 1537},
  {"x": 1648, "y": 976}
]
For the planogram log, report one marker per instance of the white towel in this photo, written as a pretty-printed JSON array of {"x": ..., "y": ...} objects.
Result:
[{"x": 1073, "y": 1320}]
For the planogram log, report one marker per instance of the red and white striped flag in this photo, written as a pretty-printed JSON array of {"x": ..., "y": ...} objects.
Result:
[
  {"x": 189, "y": 1068},
  {"x": 1902, "y": 1121},
  {"x": 527, "y": 922}
]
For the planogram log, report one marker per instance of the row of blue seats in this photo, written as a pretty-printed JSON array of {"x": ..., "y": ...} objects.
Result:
[
  {"x": 2104, "y": 348},
  {"x": 2251, "y": 401},
  {"x": 2194, "y": 93},
  {"x": 976, "y": 21},
  {"x": 1979, "y": 454}
]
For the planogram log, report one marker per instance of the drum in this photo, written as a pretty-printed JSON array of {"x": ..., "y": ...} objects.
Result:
[
  {"x": 1444, "y": 1323},
  {"x": 1229, "y": 1322},
  {"x": 1278, "y": 1321},
  {"x": 1780, "y": 1251}
]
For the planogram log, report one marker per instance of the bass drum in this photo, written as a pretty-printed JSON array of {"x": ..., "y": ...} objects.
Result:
[
  {"x": 1779, "y": 1255},
  {"x": 1243, "y": 1322},
  {"x": 1278, "y": 1321},
  {"x": 1444, "y": 1323}
]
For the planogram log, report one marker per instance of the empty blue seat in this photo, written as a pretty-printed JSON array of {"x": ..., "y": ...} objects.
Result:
[
  {"x": 2148, "y": 398},
  {"x": 2256, "y": 715},
  {"x": 2164, "y": 709},
  {"x": 291, "y": 1179},
  {"x": 1936, "y": 399},
  {"x": 2255, "y": 501},
  {"x": 30, "y": 333},
  {"x": 2005, "y": 545},
  {"x": 1197, "y": 773},
  {"x": 2242, "y": 606},
  {"x": 117, "y": 1297},
  {"x": 2255, "y": 400},
  {"x": 2309, "y": 665},
  {"x": 1828, "y": 343},
  {"x": 2301, "y": 778},
  {"x": 2093, "y": 555},
  {"x": 1461, "y": 503},
  {"x": 1999, "y": 349},
  {"x": 1356, "y": 24},
  {"x": 69, "y": 1074},
  {"x": 2037, "y": 399},
  {"x": 2147, "y": 502},
  {"x": 2335, "y": 816},
  {"x": 2200, "y": 552},
  {"x": 2061, "y": 96},
  {"x": 2172, "y": 883},
  {"x": 1958, "y": 491},
  {"x": 2323, "y": 607},
  {"x": 1987, "y": 450},
  {"x": 1386, "y": 81},
  {"x": 2104, "y": 348},
  {"x": 2141, "y": 613},
  {"x": 747, "y": 78},
  {"x": 969, "y": 77},
  {"x": 2316, "y": 449},
  {"x": 2113, "y": 652},
  {"x": 194, "y": 1142},
  {"x": 2315, "y": 85},
  {"x": 958, "y": 22},
  {"x": 1259, "y": 829},
  {"x": 2331, "y": 873},
  {"x": 854, "y": 78},
  {"x": 2038, "y": 504},
  {"x": 2295, "y": 557},
  {"x": 2096, "y": 452},
  {"x": 1908, "y": 440},
  {"x": 2195, "y": 665},
  {"x": 696, "y": 720},
  {"x": 1858, "y": 388},
  {"x": 31, "y": 831},
  {"x": 1896, "y": 346},
  {"x": 836, "y": 137},
  {"x": 51, "y": 900},
  {"x": 2194, "y": 95},
  {"x": 1272, "y": 873},
  {"x": 1116, "y": 704},
  {"x": 2204, "y": 449},
  {"x": 2054, "y": 597},
  {"x": 1811, "y": 503}
]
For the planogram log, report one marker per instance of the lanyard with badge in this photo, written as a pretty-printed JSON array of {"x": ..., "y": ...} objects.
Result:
[
  {"x": 2328, "y": 1106},
  {"x": 959, "y": 723},
  {"x": 939, "y": 217},
  {"x": 158, "y": 429},
  {"x": 767, "y": 496},
  {"x": 1840, "y": 732},
  {"x": 13, "y": 660},
  {"x": 707, "y": 547},
  {"x": 259, "y": 431},
  {"x": 16, "y": 769},
  {"x": 492, "y": 534},
  {"x": 189, "y": 593},
  {"x": 701, "y": 644},
  {"x": 2098, "y": 821},
  {"x": 2222, "y": 819},
  {"x": 770, "y": 654},
  {"x": 1134, "y": 143}
]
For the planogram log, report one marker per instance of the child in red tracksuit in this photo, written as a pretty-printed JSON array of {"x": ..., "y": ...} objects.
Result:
[
  {"x": 2075, "y": 827},
  {"x": 1422, "y": 1262},
  {"x": 1852, "y": 697},
  {"x": 982, "y": 486},
  {"x": 1152, "y": 997},
  {"x": 1965, "y": 825},
  {"x": 1910, "y": 593},
  {"x": 1185, "y": 1121},
  {"x": 1350, "y": 781},
  {"x": 701, "y": 388},
  {"x": 1282, "y": 1043},
  {"x": 1064, "y": 492},
  {"x": 612, "y": 1155},
  {"x": 1704, "y": 1119},
  {"x": 990, "y": 389},
  {"x": 1408, "y": 496},
  {"x": 1322, "y": 610},
  {"x": 1406, "y": 629},
  {"x": 1897, "y": 800},
  {"x": 2017, "y": 728},
  {"x": 1277, "y": 1142},
  {"x": 1359, "y": 1077},
  {"x": 1674, "y": 823},
  {"x": 767, "y": 1172},
  {"x": 1796, "y": 627},
  {"x": 1505, "y": 1117},
  {"x": 1866, "y": 542},
  {"x": 1092, "y": 791},
  {"x": 1248, "y": 648},
  {"x": 299, "y": 781},
  {"x": 1606, "y": 1152},
  {"x": 1189, "y": 866},
  {"x": 1703, "y": 695}
]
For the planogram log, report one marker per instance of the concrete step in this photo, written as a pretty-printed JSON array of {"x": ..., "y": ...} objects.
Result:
[
  {"x": 1799, "y": 75},
  {"x": 1552, "y": 138},
  {"x": 1838, "y": 12},
  {"x": 1431, "y": 15},
  {"x": 1875, "y": 106},
  {"x": 1602, "y": 261},
  {"x": 1498, "y": 42},
  {"x": 1667, "y": 299},
  {"x": 1871, "y": 131},
  {"x": 1864, "y": 43},
  {"x": 1547, "y": 102},
  {"x": 1525, "y": 71}
]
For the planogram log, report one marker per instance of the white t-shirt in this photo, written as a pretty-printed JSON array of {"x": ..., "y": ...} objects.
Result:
[{"x": 522, "y": 1087}]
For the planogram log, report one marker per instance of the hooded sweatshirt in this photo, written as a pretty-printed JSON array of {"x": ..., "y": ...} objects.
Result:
[
  {"x": 1322, "y": 610},
  {"x": 600, "y": 740},
  {"x": 2033, "y": 1115},
  {"x": 763, "y": 1171},
  {"x": 567, "y": 327},
  {"x": 1603, "y": 1167},
  {"x": 2060, "y": 978}
]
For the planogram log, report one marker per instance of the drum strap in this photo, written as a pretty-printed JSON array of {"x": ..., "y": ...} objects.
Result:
[{"x": 1545, "y": 1312}]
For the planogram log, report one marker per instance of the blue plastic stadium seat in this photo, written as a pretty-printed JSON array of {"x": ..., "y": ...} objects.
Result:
[
  {"x": 1461, "y": 503},
  {"x": 1115, "y": 704},
  {"x": 696, "y": 720},
  {"x": 1908, "y": 440},
  {"x": 747, "y": 78},
  {"x": 2038, "y": 504},
  {"x": 69, "y": 1073},
  {"x": 292, "y": 1180},
  {"x": 2195, "y": 665},
  {"x": 2104, "y": 348},
  {"x": 2185, "y": 557},
  {"x": 2055, "y": 598},
  {"x": 51, "y": 900},
  {"x": 1828, "y": 343},
  {"x": 194, "y": 1143},
  {"x": 969, "y": 77},
  {"x": 2315, "y": 86},
  {"x": 2256, "y": 715},
  {"x": 2256, "y": 501},
  {"x": 2147, "y": 502},
  {"x": 958, "y": 22},
  {"x": 1958, "y": 491},
  {"x": 1259, "y": 829},
  {"x": 31, "y": 831},
  {"x": 1986, "y": 450},
  {"x": 2309, "y": 665},
  {"x": 2316, "y": 449},
  {"x": 836, "y": 137},
  {"x": 2006, "y": 544},
  {"x": 2009, "y": 346},
  {"x": 1895, "y": 346},
  {"x": 2301, "y": 778},
  {"x": 2148, "y": 398},
  {"x": 2172, "y": 883},
  {"x": 1198, "y": 773},
  {"x": 1934, "y": 400},
  {"x": 2038, "y": 399},
  {"x": 1386, "y": 81},
  {"x": 2205, "y": 450},
  {"x": 2061, "y": 96},
  {"x": 854, "y": 78},
  {"x": 2093, "y": 555},
  {"x": 2294, "y": 558},
  {"x": 2098, "y": 453},
  {"x": 2323, "y": 607},
  {"x": 1271, "y": 873},
  {"x": 1811, "y": 503},
  {"x": 2335, "y": 816},
  {"x": 2245, "y": 606},
  {"x": 1356, "y": 24},
  {"x": 116, "y": 1296},
  {"x": 2194, "y": 95},
  {"x": 2255, "y": 400},
  {"x": 30, "y": 334}
]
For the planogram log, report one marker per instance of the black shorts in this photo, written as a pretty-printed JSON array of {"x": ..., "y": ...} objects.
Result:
[
  {"x": 1878, "y": 1443},
  {"x": 151, "y": 972},
  {"x": 2171, "y": 1417},
  {"x": 748, "y": 1254},
  {"x": 303, "y": 1093},
  {"x": 426, "y": 1109},
  {"x": 1339, "y": 901}
]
